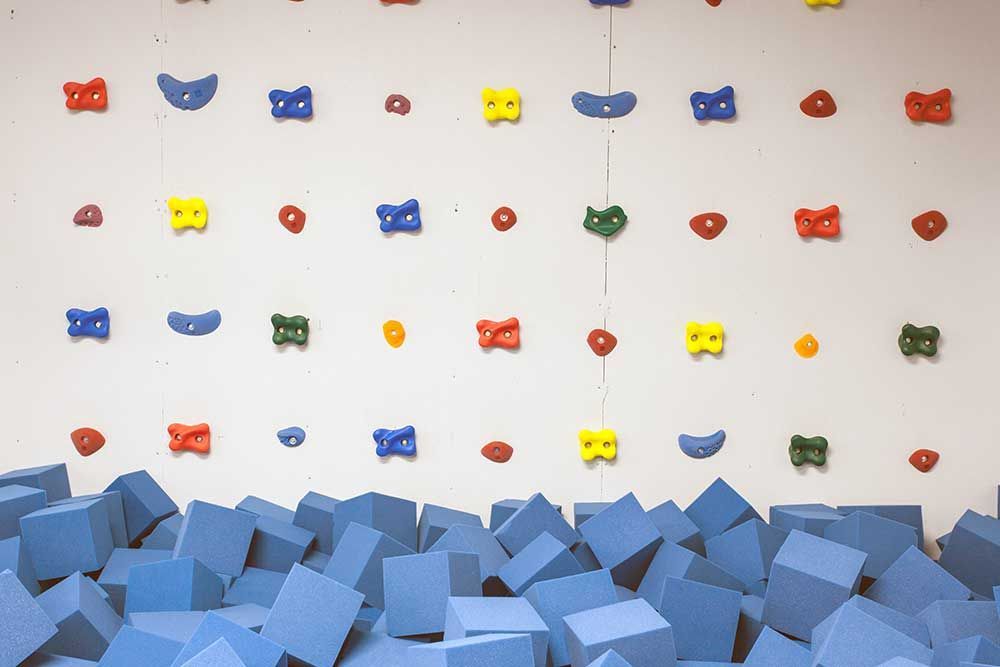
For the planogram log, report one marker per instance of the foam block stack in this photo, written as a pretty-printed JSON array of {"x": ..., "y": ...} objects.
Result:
[{"x": 118, "y": 578}]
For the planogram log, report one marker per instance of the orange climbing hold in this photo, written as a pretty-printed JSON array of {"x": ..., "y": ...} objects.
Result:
[
  {"x": 87, "y": 440},
  {"x": 292, "y": 218},
  {"x": 496, "y": 451},
  {"x": 90, "y": 96},
  {"x": 708, "y": 225},
  {"x": 503, "y": 218},
  {"x": 506, "y": 334},
  {"x": 394, "y": 332},
  {"x": 807, "y": 346},
  {"x": 824, "y": 222},
  {"x": 930, "y": 225},
  {"x": 184, "y": 438},
  {"x": 924, "y": 459},
  {"x": 929, "y": 107},
  {"x": 819, "y": 104},
  {"x": 601, "y": 342}
]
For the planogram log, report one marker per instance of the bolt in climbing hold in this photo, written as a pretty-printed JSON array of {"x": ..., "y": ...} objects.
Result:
[{"x": 293, "y": 436}]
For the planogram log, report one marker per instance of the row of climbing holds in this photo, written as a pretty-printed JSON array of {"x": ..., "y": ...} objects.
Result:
[
  {"x": 808, "y": 450},
  {"x": 93, "y": 323},
  {"x": 404, "y": 217},
  {"x": 192, "y": 212},
  {"x": 294, "y": 329},
  {"x": 200, "y": 324},
  {"x": 704, "y": 337},
  {"x": 196, "y": 438},
  {"x": 291, "y": 104},
  {"x": 598, "y": 444},
  {"x": 400, "y": 441},
  {"x": 505, "y": 334},
  {"x": 703, "y": 446}
]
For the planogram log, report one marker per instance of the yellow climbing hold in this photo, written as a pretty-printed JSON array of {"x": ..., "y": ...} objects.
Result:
[
  {"x": 807, "y": 346},
  {"x": 817, "y": 3},
  {"x": 704, "y": 337},
  {"x": 594, "y": 444},
  {"x": 191, "y": 212},
  {"x": 394, "y": 332},
  {"x": 501, "y": 104}
]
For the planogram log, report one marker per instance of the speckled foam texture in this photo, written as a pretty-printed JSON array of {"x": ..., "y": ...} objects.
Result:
[
  {"x": 477, "y": 540},
  {"x": 86, "y": 623},
  {"x": 176, "y": 625},
  {"x": 501, "y": 510},
  {"x": 494, "y": 650},
  {"x": 116, "y": 513},
  {"x": 584, "y": 511},
  {"x": 64, "y": 539},
  {"x": 144, "y": 501},
  {"x": 219, "y": 654},
  {"x": 24, "y": 625},
  {"x": 850, "y": 636},
  {"x": 914, "y": 581},
  {"x": 396, "y": 517},
  {"x": 951, "y": 620},
  {"x": 672, "y": 560},
  {"x": 633, "y": 629},
  {"x": 417, "y": 589},
  {"x": 749, "y": 627},
  {"x": 14, "y": 557},
  {"x": 812, "y": 518},
  {"x": 315, "y": 512},
  {"x": 435, "y": 520},
  {"x": 973, "y": 552},
  {"x": 15, "y": 502},
  {"x": 977, "y": 650},
  {"x": 471, "y": 617},
  {"x": 544, "y": 558},
  {"x": 368, "y": 649},
  {"x": 132, "y": 647},
  {"x": 261, "y": 507},
  {"x": 183, "y": 584},
  {"x": 535, "y": 517},
  {"x": 675, "y": 526},
  {"x": 911, "y": 515},
  {"x": 623, "y": 539},
  {"x": 912, "y": 627},
  {"x": 217, "y": 536},
  {"x": 114, "y": 576},
  {"x": 884, "y": 540},
  {"x": 277, "y": 545},
  {"x": 719, "y": 508},
  {"x": 357, "y": 561},
  {"x": 256, "y": 586},
  {"x": 610, "y": 659},
  {"x": 704, "y": 618},
  {"x": 772, "y": 649},
  {"x": 253, "y": 649},
  {"x": 747, "y": 550},
  {"x": 53, "y": 479}
]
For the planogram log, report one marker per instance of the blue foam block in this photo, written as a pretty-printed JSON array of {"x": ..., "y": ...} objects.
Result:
[
  {"x": 15, "y": 502},
  {"x": 610, "y": 659},
  {"x": 86, "y": 623},
  {"x": 24, "y": 625},
  {"x": 470, "y": 617},
  {"x": 253, "y": 649},
  {"x": 773, "y": 649},
  {"x": 913, "y": 628},
  {"x": 417, "y": 589},
  {"x": 395, "y": 517},
  {"x": 911, "y": 515},
  {"x": 114, "y": 576},
  {"x": 583, "y": 511},
  {"x": 49, "y": 660},
  {"x": 675, "y": 526},
  {"x": 132, "y": 647},
  {"x": 435, "y": 520},
  {"x": 977, "y": 650},
  {"x": 719, "y": 508},
  {"x": 316, "y": 560},
  {"x": 64, "y": 539},
  {"x": 367, "y": 618},
  {"x": 116, "y": 513},
  {"x": 145, "y": 503},
  {"x": 913, "y": 582},
  {"x": 261, "y": 507},
  {"x": 164, "y": 536},
  {"x": 495, "y": 650},
  {"x": 585, "y": 556},
  {"x": 315, "y": 513},
  {"x": 176, "y": 625},
  {"x": 366, "y": 649},
  {"x": 942, "y": 541},
  {"x": 183, "y": 584},
  {"x": 747, "y": 550},
  {"x": 557, "y": 598},
  {"x": 544, "y": 558},
  {"x": 277, "y": 545},
  {"x": 675, "y": 561},
  {"x": 217, "y": 536},
  {"x": 951, "y": 620},
  {"x": 812, "y": 518},
  {"x": 850, "y": 636},
  {"x": 219, "y": 653},
  {"x": 810, "y": 578},
  {"x": 633, "y": 629},
  {"x": 749, "y": 627},
  {"x": 250, "y": 616},
  {"x": 623, "y": 539},
  {"x": 973, "y": 552},
  {"x": 357, "y": 561},
  {"x": 703, "y": 618},
  {"x": 14, "y": 557},
  {"x": 479, "y": 541},
  {"x": 312, "y": 616},
  {"x": 535, "y": 517},
  {"x": 501, "y": 510},
  {"x": 254, "y": 586},
  {"x": 53, "y": 479},
  {"x": 884, "y": 540}
]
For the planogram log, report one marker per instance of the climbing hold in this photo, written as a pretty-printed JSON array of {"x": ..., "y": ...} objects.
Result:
[
  {"x": 604, "y": 106},
  {"x": 708, "y": 225},
  {"x": 714, "y": 106},
  {"x": 194, "y": 325},
  {"x": 89, "y": 216},
  {"x": 496, "y": 451},
  {"x": 503, "y": 218},
  {"x": 824, "y": 222},
  {"x": 807, "y": 346},
  {"x": 402, "y": 441},
  {"x": 919, "y": 340},
  {"x": 292, "y": 218},
  {"x": 930, "y": 225},
  {"x": 808, "y": 450},
  {"x": 90, "y": 96},
  {"x": 297, "y": 103},
  {"x": 714, "y": 3},
  {"x": 819, "y": 104},
  {"x": 924, "y": 459},
  {"x": 402, "y": 218},
  {"x": 929, "y": 107},
  {"x": 703, "y": 446},
  {"x": 191, "y": 212},
  {"x": 293, "y": 436},
  {"x": 184, "y": 438},
  {"x": 397, "y": 104},
  {"x": 601, "y": 342},
  {"x": 817, "y": 3},
  {"x": 506, "y": 334},
  {"x": 598, "y": 444},
  {"x": 95, "y": 323},
  {"x": 87, "y": 440},
  {"x": 607, "y": 222},
  {"x": 704, "y": 337},
  {"x": 608, "y": 2},
  {"x": 394, "y": 332},
  {"x": 293, "y": 329},
  {"x": 188, "y": 95},
  {"x": 501, "y": 104}
]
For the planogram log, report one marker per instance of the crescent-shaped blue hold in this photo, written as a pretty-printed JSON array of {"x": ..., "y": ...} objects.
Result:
[
  {"x": 194, "y": 325},
  {"x": 293, "y": 436},
  {"x": 188, "y": 95},
  {"x": 402, "y": 218},
  {"x": 703, "y": 446},
  {"x": 295, "y": 104},
  {"x": 94, "y": 323},
  {"x": 604, "y": 106},
  {"x": 402, "y": 441}
]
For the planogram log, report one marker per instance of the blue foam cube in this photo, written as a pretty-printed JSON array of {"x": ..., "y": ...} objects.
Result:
[
  {"x": 145, "y": 503},
  {"x": 277, "y": 545},
  {"x": 312, "y": 616},
  {"x": 633, "y": 629},
  {"x": 435, "y": 520},
  {"x": 480, "y": 541},
  {"x": 675, "y": 561},
  {"x": 913, "y": 582},
  {"x": 176, "y": 625},
  {"x": 501, "y": 510},
  {"x": 64, "y": 539},
  {"x": 367, "y": 618},
  {"x": 367, "y": 649},
  {"x": 24, "y": 625},
  {"x": 261, "y": 507},
  {"x": 53, "y": 479},
  {"x": 719, "y": 508},
  {"x": 14, "y": 557},
  {"x": 544, "y": 558},
  {"x": 747, "y": 550},
  {"x": 164, "y": 536},
  {"x": 132, "y": 647},
  {"x": 773, "y": 649},
  {"x": 675, "y": 526},
  {"x": 86, "y": 623},
  {"x": 810, "y": 578},
  {"x": 395, "y": 517},
  {"x": 470, "y": 617},
  {"x": 219, "y": 653},
  {"x": 316, "y": 560},
  {"x": 315, "y": 512},
  {"x": 585, "y": 556},
  {"x": 357, "y": 561},
  {"x": 254, "y": 586},
  {"x": 114, "y": 576},
  {"x": 116, "y": 513},
  {"x": 417, "y": 589},
  {"x": 250, "y": 616},
  {"x": 884, "y": 540},
  {"x": 610, "y": 659},
  {"x": 584, "y": 511},
  {"x": 973, "y": 552},
  {"x": 812, "y": 518},
  {"x": 851, "y": 636},
  {"x": 624, "y": 539},
  {"x": 496, "y": 650},
  {"x": 976, "y": 650},
  {"x": 182, "y": 584},
  {"x": 703, "y": 618},
  {"x": 952, "y": 620},
  {"x": 535, "y": 517},
  {"x": 749, "y": 627},
  {"x": 217, "y": 536},
  {"x": 253, "y": 649},
  {"x": 15, "y": 502},
  {"x": 912, "y": 627},
  {"x": 942, "y": 541},
  {"x": 50, "y": 660},
  {"x": 556, "y": 598},
  {"x": 911, "y": 515}
]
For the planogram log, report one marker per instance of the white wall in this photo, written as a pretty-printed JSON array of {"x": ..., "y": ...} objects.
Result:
[{"x": 765, "y": 284}]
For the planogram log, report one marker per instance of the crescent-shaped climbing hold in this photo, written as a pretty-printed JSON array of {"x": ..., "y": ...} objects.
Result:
[
  {"x": 601, "y": 342},
  {"x": 90, "y": 96},
  {"x": 89, "y": 216},
  {"x": 402, "y": 218},
  {"x": 194, "y": 325},
  {"x": 293, "y": 436},
  {"x": 929, "y": 225},
  {"x": 824, "y": 222},
  {"x": 708, "y": 225},
  {"x": 192, "y": 212},
  {"x": 401, "y": 441},
  {"x": 87, "y": 440},
  {"x": 807, "y": 346},
  {"x": 184, "y": 438},
  {"x": 719, "y": 105},
  {"x": 292, "y": 218},
  {"x": 393, "y": 332},
  {"x": 188, "y": 95},
  {"x": 397, "y": 104},
  {"x": 94, "y": 323},
  {"x": 496, "y": 451},
  {"x": 604, "y": 106},
  {"x": 296, "y": 103},
  {"x": 503, "y": 218},
  {"x": 701, "y": 446},
  {"x": 819, "y": 104},
  {"x": 924, "y": 459}
]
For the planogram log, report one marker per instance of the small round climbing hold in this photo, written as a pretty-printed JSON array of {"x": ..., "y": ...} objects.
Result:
[
  {"x": 818, "y": 104},
  {"x": 708, "y": 225},
  {"x": 601, "y": 342},
  {"x": 807, "y": 346},
  {"x": 929, "y": 225},
  {"x": 87, "y": 440},
  {"x": 701, "y": 446},
  {"x": 89, "y": 216},
  {"x": 293, "y": 436},
  {"x": 496, "y": 451},
  {"x": 808, "y": 450},
  {"x": 397, "y": 104},
  {"x": 924, "y": 459},
  {"x": 292, "y": 218},
  {"x": 184, "y": 438},
  {"x": 503, "y": 218},
  {"x": 394, "y": 332}
]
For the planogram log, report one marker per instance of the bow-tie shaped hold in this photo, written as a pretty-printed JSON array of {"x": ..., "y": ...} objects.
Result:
[
  {"x": 404, "y": 217},
  {"x": 502, "y": 104},
  {"x": 719, "y": 105},
  {"x": 401, "y": 441},
  {"x": 90, "y": 96},
  {"x": 93, "y": 323},
  {"x": 823, "y": 223},
  {"x": 186, "y": 213},
  {"x": 808, "y": 450},
  {"x": 919, "y": 340},
  {"x": 505, "y": 334},
  {"x": 704, "y": 337},
  {"x": 185, "y": 438},
  {"x": 598, "y": 444},
  {"x": 297, "y": 103},
  {"x": 929, "y": 107},
  {"x": 294, "y": 329}
]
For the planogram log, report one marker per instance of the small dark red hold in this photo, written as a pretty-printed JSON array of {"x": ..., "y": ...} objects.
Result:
[
  {"x": 601, "y": 342},
  {"x": 397, "y": 104},
  {"x": 90, "y": 96},
  {"x": 86, "y": 440},
  {"x": 930, "y": 225},
  {"x": 819, "y": 104},
  {"x": 708, "y": 225},
  {"x": 292, "y": 218},
  {"x": 924, "y": 459},
  {"x": 498, "y": 452},
  {"x": 714, "y": 3},
  {"x": 503, "y": 218},
  {"x": 89, "y": 216}
]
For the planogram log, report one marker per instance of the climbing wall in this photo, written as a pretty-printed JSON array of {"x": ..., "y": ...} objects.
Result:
[{"x": 763, "y": 282}]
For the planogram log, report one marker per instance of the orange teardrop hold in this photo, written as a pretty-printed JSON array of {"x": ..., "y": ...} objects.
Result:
[
  {"x": 87, "y": 440},
  {"x": 807, "y": 347},
  {"x": 496, "y": 451}
]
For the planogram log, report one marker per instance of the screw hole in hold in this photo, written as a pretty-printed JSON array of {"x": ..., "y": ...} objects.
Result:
[
  {"x": 301, "y": 104},
  {"x": 178, "y": 214},
  {"x": 281, "y": 329},
  {"x": 595, "y": 219},
  {"x": 600, "y": 340},
  {"x": 826, "y": 223},
  {"x": 190, "y": 326},
  {"x": 76, "y": 96},
  {"x": 702, "y": 106},
  {"x": 290, "y": 217},
  {"x": 607, "y": 445},
  {"x": 491, "y": 105},
  {"x": 819, "y": 102},
  {"x": 177, "y": 436},
  {"x": 409, "y": 217},
  {"x": 607, "y": 108},
  {"x": 806, "y": 222},
  {"x": 694, "y": 338},
  {"x": 510, "y": 105},
  {"x": 388, "y": 217},
  {"x": 86, "y": 440},
  {"x": 908, "y": 340},
  {"x": 614, "y": 219},
  {"x": 713, "y": 338},
  {"x": 587, "y": 444},
  {"x": 927, "y": 342},
  {"x": 816, "y": 452},
  {"x": 384, "y": 443},
  {"x": 924, "y": 458},
  {"x": 507, "y": 334},
  {"x": 488, "y": 333},
  {"x": 293, "y": 441},
  {"x": 722, "y": 105},
  {"x": 298, "y": 332},
  {"x": 199, "y": 438},
  {"x": 186, "y": 95},
  {"x": 918, "y": 106},
  {"x": 496, "y": 451},
  {"x": 937, "y": 107},
  {"x": 197, "y": 213},
  {"x": 397, "y": 103},
  {"x": 701, "y": 450},
  {"x": 76, "y": 322},
  {"x": 98, "y": 324}
]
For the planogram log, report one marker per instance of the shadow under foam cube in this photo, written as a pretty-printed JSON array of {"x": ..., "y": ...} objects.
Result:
[
  {"x": 633, "y": 629},
  {"x": 182, "y": 584},
  {"x": 417, "y": 589},
  {"x": 53, "y": 479},
  {"x": 884, "y": 540},
  {"x": 545, "y": 558},
  {"x": 972, "y": 554},
  {"x": 471, "y": 617},
  {"x": 719, "y": 508},
  {"x": 357, "y": 561},
  {"x": 64, "y": 539},
  {"x": 435, "y": 520},
  {"x": 535, "y": 517},
  {"x": 86, "y": 623},
  {"x": 24, "y": 626},
  {"x": 495, "y": 650},
  {"x": 217, "y": 536},
  {"x": 913, "y": 582},
  {"x": 144, "y": 501},
  {"x": 624, "y": 540},
  {"x": 315, "y": 512}
]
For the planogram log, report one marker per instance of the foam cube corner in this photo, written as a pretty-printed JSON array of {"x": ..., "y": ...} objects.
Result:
[
  {"x": 675, "y": 526},
  {"x": 951, "y": 620},
  {"x": 64, "y": 539},
  {"x": 15, "y": 502},
  {"x": 973, "y": 552},
  {"x": 624, "y": 540},
  {"x": 884, "y": 540},
  {"x": 260, "y": 507},
  {"x": 182, "y": 584},
  {"x": 494, "y": 650},
  {"x": 719, "y": 508},
  {"x": 116, "y": 513},
  {"x": 277, "y": 545},
  {"x": 396, "y": 517},
  {"x": 435, "y": 520},
  {"x": 914, "y": 581},
  {"x": 535, "y": 517},
  {"x": 544, "y": 558},
  {"x": 633, "y": 629},
  {"x": 675, "y": 561},
  {"x": 164, "y": 536},
  {"x": 812, "y": 518},
  {"x": 86, "y": 623},
  {"x": 417, "y": 589},
  {"x": 114, "y": 576},
  {"x": 747, "y": 550},
  {"x": 471, "y": 617},
  {"x": 144, "y": 501},
  {"x": 14, "y": 557},
  {"x": 217, "y": 536},
  {"x": 772, "y": 649},
  {"x": 250, "y": 647},
  {"x": 357, "y": 561},
  {"x": 315, "y": 512},
  {"x": 704, "y": 618},
  {"x": 852, "y": 636},
  {"x": 367, "y": 649},
  {"x": 584, "y": 511},
  {"x": 53, "y": 479},
  {"x": 911, "y": 515},
  {"x": 132, "y": 647},
  {"x": 219, "y": 653},
  {"x": 254, "y": 586},
  {"x": 480, "y": 541},
  {"x": 24, "y": 625}
]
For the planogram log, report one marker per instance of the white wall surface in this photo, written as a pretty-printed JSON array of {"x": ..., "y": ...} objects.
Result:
[{"x": 765, "y": 284}]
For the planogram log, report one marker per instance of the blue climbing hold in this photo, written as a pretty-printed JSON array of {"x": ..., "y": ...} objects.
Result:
[
  {"x": 402, "y": 218},
  {"x": 295, "y": 104},
  {"x": 194, "y": 325},
  {"x": 95, "y": 323},
  {"x": 402, "y": 441},
  {"x": 292, "y": 436},
  {"x": 701, "y": 447},
  {"x": 188, "y": 95},
  {"x": 714, "y": 106},
  {"x": 608, "y": 2},
  {"x": 604, "y": 106}
]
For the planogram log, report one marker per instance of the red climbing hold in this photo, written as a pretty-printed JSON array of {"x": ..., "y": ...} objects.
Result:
[
  {"x": 924, "y": 459},
  {"x": 397, "y": 104},
  {"x": 714, "y": 3},
  {"x": 89, "y": 216},
  {"x": 498, "y": 452},
  {"x": 930, "y": 225},
  {"x": 184, "y": 438},
  {"x": 292, "y": 218},
  {"x": 503, "y": 218},
  {"x": 601, "y": 342},
  {"x": 824, "y": 222},
  {"x": 929, "y": 107},
  {"x": 90, "y": 96},
  {"x": 819, "y": 104},
  {"x": 708, "y": 225},
  {"x": 87, "y": 440},
  {"x": 506, "y": 334}
]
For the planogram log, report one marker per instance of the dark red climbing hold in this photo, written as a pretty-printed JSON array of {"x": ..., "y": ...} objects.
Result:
[
  {"x": 819, "y": 104},
  {"x": 292, "y": 218},
  {"x": 929, "y": 107},
  {"x": 503, "y": 218},
  {"x": 89, "y": 216},
  {"x": 708, "y": 225},
  {"x": 498, "y": 452},
  {"x": 924, "y": 459},
  {"x": 90, "y": 96},
  {"x": 397, "y": 104},
  {"x": 930, "y": 225},
  {"x": 601, "y": 342},
  {"x": 86, "y": 440},
  {"x": 714, "y": 3}
]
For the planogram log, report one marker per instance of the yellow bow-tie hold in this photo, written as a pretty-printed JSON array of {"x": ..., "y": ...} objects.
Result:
[
  {"x": 594, "y": 444},
  {"x": 501, "y": 104},
  {"x": 704, "y": 337},
  {"x": 191, "y": 212}
]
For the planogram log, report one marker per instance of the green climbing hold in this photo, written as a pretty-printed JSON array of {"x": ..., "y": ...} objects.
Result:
[
  {"x": 808, "y": 450},
  {"x": 919, "y": 340},
  {"x": 607, "y": 222},
  {"x": 293, "y": 329}
]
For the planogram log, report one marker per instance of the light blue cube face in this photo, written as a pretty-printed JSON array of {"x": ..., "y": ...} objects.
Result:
[
  {"x": 366, "y": 649},
  {"x": 951, "y": 620},
  {"x": 719, "y": 508},
  {"x": 704, "y": 618},
  {"x": 557, "y": 598},
  {"x": 277, "y": 545},
  {"x": 164, "y": 536},
  {"x": 773, "y": 648},
  {"x": 24, "y": 626},
  {"x": 470, "y": 617},
  {"x": 217, "y": 536},
  {"x": 435, "y": 520},
  {"x": 884, "y": 540},
  {"x": 15, "y": 502},
  {"x": 134, "y": 647},
  {"x": 417, "y": 589},
  {"x": 537, "y": 516},
  {"x": 911, "y": 515},
  {"x": 144, "y": 501},
  {"x": 315, "y": 513},
  {"x": 851, "y": 636},
  {"x": 14, "y": 557},
  {"x": 623, "y": 539},
  {"x": 116, "y": 513},
  {"x": 584, "y": 511},
  {"x": 261, "y": 507},
  {"x": 544, "y": 558},
  {"x": 255, "y": 586},
  {"x": 973, "y": 552},
  {"x": 812, "y": 518},
  {"x": 494, "y": 650},
  {"x": 395, "y": 517},
  {"x": 633, "y": 629},
  {"x": 53, "y": 479},
  {"x": 182, "y": 584},
  {"x": 114, "y": 576},
  {"x": 64, "y": 539},
  {"x": 675, "y": 526},
  {"x": 914, "y": 581},
  {"x": 747, "y": 550},
  {"x": 249, "y": 646},
  {"x": 357, "y": 561},
  {"x": 86, "y": 623},
  {"x": 479, "y": 541}
]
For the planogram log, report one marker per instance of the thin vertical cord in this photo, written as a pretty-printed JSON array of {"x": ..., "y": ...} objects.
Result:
[{"x": 607, "y": 202}]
